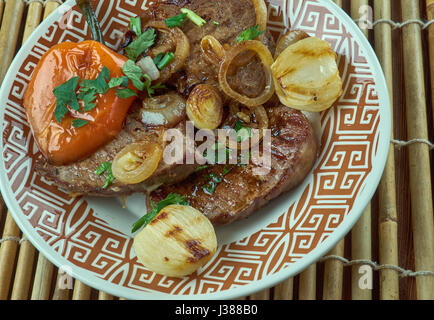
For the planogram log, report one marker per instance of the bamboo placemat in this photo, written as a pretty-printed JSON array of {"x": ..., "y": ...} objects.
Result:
[{"x": 395, "y": 236}]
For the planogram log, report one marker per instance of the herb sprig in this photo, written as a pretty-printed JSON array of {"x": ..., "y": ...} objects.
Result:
[
  {"x": 106, "y": 167},
  {"x": 172, "y": 198},
  {"x": 250, "y": 34}
]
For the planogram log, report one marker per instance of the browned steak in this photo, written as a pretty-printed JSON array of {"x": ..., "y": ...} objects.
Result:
[
  {"x": 294, "y": 151},
  {"x": 233, "y": 16},
  {"x": 79, "y": 178}
]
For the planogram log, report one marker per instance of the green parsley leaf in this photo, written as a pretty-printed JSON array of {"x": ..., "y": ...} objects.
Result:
[
  {"x": 200, "y": 168},
  {"x": 134, "y": 73},
  {"x": 125, "y": 93},
  {"x": 66, "y": 96},
  {"x": 193, "y": 17},
  {"x": 88, "y": 97},
  {"x": 168, "y": 57},
  {"x": 136, "y": 25},
  {"x": 106, "y": 167},
  {"x": 172, "y": 198},
  {"x": 216, "y": 23},
  {"x": 243, "y": 132},
  {"x": 151, "y": 89},
  {"x": 78, "y": 123},
  {"x": 250, "y": 34},
  {"x": 119, "y": 82},
  {"x": 143, "y": 42},
  {"x": 99, "y": 84},
  {"x": 176, "y": 21}
]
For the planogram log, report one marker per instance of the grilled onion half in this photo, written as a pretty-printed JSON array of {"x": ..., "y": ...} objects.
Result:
[
  {"x": 306, "y": 75},
  {"x": 137, "y": 162},
  {"x": 177, "y": 242}
]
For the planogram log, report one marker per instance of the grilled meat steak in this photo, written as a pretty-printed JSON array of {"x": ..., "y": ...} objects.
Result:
[
  {"x": 80, "y": 178},
  {"x": 234, "y": 16},
  {"x": 294, "y": 149}
]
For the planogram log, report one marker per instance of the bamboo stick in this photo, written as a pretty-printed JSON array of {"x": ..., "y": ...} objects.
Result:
[
  {"x": 388, "y": 216},
  {"x": 50, "y": 6},
  {"x": 333, "y": 274},
  {"x": 13, "y": 13},
  {"x": 430, "y": 14},
  {"x": 2, "y": 5},
  {"x": 338, "y": 2},
  {"x": 61, "y": 293},
  {"x": 23, "y": 273},
  {"x": 307, "y": 287},
  {"x": 33, "y": 19},
  {"x": 104, "y": 296},
  {"x": 42, "y": 281},
  {"x": 8, "y": 252},
  {"x": 81, "y": 291},
  {"x": 261, "y": 295},
  {"x": 419, "y": 158},
  {"x": 361, "y": 233},
  {"x": 284, "y": 290}
]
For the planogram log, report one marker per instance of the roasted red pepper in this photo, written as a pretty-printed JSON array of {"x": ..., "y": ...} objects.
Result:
[{"x": 62, "y": 143}]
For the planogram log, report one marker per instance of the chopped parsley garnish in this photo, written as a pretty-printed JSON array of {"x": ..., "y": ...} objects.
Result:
[
  {"x": 119, "y": 82},
  {"x": 136, "y": 25},
  {"x": 176, "y": 21},
  {"x": 250, "y": 34},
  {"x": 78, "y": 123},
  {"x": 66, "y": 96},
  {"x": 106, "y": 167},
  {"x": 172, "y": 198},
  {"x": 150, "y": 88},
  {"x": 243, "y": 132},
  {"x": 134, "y": 73},
  {"x": 165, "y": 60},
  {"x": 216, "y": 23},
  {"x": 99, "y": 85},
  {"x": 196, "y": 19},
  {"x": 125, "y": 93},
  {"x": 66, "y": 93},
  {"x": 143, "y": 42},
  {"x": 90, "y": 88},
  {"x": 200, "y": 168}
]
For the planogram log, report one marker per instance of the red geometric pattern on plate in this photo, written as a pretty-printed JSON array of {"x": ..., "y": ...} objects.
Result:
[{"x": 71, "y": 228}]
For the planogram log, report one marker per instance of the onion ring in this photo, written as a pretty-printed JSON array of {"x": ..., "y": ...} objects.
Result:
[
  {"x": 167, "y": 110},
  {"x": 267, "y": 60},
  {"x": 181, "y": 53}
]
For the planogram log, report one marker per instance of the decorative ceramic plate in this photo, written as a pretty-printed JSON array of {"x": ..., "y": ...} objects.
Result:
[{"x": 90, "y": 237}]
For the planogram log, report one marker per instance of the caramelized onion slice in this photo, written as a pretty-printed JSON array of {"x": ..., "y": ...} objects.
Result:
[
  {"x": 212, "y": 49},
  {"x": 181, "y": 52},
  {"x": 267, "y": 60},
  {"x": 166, "y": 110},
  {"x": 306, "y": 75},
  {"x": 205, "y": 107},
  {"x": 137, "y": 162}
]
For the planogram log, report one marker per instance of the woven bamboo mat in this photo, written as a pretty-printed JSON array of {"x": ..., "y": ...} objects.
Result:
[{"x": 395, "y": 236}]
